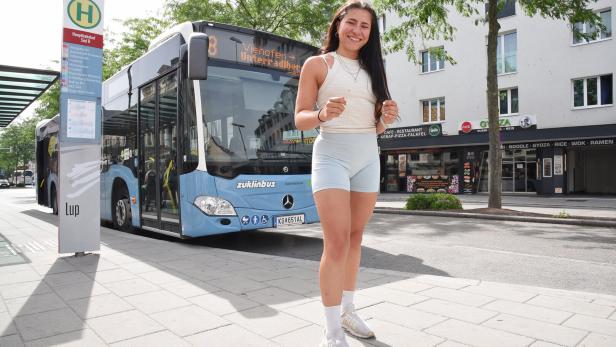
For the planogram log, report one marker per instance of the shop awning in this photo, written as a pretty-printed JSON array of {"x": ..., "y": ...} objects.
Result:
[{"x": 20, "y": 87}]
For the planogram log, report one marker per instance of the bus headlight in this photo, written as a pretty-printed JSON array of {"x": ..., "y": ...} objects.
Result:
[{"x": 213, "y": 206}]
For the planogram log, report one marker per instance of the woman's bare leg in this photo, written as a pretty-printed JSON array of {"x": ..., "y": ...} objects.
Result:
[
  {"x": 362, "y": 205},
  {"x": 334, "y": 210}
]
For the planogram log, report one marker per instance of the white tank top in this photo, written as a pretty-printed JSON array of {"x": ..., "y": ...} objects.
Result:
[{"x": 346, "y": 78}]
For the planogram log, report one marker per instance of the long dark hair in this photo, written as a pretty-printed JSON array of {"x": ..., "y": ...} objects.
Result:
[{"x": 370, "y": 57}]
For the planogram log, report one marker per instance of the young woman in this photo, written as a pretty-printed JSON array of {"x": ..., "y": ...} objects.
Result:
[{"x": 347, "y": 84}]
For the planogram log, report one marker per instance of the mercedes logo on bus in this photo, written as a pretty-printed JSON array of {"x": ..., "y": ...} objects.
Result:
[{"x": 287, "y": 201}]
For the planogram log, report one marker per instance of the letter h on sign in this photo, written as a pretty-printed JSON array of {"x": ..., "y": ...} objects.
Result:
[{"x": 89, "y": 12}]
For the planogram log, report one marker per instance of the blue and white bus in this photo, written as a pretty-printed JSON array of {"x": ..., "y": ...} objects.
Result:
[{"x": 199, "y": 137}]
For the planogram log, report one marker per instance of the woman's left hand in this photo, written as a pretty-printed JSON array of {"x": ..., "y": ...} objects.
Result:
[{"x": 390, "y": 111}]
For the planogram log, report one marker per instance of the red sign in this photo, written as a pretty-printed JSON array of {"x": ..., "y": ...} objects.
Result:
[
  {"x": 467, "y": 127},
  {"x": 83, "y": 38}
]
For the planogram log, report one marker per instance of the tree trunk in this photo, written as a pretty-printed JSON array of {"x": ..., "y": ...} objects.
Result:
[{"x": 494, "y": 154}]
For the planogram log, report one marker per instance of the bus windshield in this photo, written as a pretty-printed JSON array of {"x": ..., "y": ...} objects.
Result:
[{"x": 248, "y": 113}]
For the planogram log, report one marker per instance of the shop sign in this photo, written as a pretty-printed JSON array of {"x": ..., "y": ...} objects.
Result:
[
  {"x": 433, "y": 184},
  {"x": 568, "y": 143},
  {"x": 521, "y": 122},
  {"x": 431, "y": 130}
]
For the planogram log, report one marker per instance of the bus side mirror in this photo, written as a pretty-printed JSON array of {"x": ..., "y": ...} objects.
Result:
[{"x": 198, "y": 45}]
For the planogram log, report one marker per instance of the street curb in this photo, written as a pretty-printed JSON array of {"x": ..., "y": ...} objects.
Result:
[{"x": 548, "y": 220}]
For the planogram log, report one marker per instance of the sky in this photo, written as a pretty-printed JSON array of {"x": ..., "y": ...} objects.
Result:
[{"x": 31, "y": 31}]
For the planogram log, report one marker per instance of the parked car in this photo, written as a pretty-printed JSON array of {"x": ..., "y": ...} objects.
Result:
[{"x": 4, "y": 183}]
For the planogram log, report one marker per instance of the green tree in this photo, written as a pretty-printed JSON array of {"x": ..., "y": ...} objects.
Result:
[
  {"x": 20, "y": 139},
  {"x": 48, "y": 103},
  {"x": 296, "y": 19},
  {"x": 427, "y": 20}
]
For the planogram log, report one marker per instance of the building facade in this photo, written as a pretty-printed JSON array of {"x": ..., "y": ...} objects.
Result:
[{"x": 556, "y": 91}]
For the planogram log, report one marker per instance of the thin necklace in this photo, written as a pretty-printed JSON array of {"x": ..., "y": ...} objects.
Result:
[{"x": 349, "y": 70}]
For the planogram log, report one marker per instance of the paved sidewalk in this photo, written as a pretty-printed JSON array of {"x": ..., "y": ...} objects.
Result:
[{"x": 145, "y": 292}]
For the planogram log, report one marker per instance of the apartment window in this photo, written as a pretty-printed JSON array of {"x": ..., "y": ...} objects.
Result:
[
  {"x": 506, "y": 47},
  {"x": 508, "y": 101},
  {"x": 429, "y": 62},
  {"x": 433, "y": 110},
  {"x": 587, "y": 28},
  {"x": 593, "y": 91},
  {"x": 507, "y": 10}
]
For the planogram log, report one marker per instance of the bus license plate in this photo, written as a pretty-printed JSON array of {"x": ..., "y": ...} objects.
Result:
[{"x": 289, "y": 220}]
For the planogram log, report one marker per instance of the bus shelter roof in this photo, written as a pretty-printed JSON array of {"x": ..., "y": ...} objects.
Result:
[{"x": 20, "y": 87}]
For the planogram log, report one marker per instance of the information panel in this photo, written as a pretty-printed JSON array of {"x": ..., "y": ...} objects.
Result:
[{"x": 80, "y": 131}]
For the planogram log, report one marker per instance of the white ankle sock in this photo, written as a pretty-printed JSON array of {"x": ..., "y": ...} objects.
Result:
[
  {"x": 333, "y": 324},
  {"x": 347, "y": 300}
]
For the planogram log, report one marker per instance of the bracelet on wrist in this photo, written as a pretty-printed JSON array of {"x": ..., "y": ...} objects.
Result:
[{"x": 319, "y": 116}]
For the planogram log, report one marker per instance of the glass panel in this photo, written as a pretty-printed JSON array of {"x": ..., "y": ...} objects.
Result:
[
  {"x": 499, "y": 55},
  {"x": 510, "y": 52},
  {"x": 433, "y": 62},
  {"x": 424, "y": 61},
  {"x": 433, "y": 110},
  {"x": 591, "y": 30},
  {"x": 148, "y": 134},
  {"x": 578, "y": 93},
  {"x": 442, "y": 109},
  {"x": 514, "y": 100},
  {"x": 441, "y": 63},
  {"x": 606, "y": 19},
  {"x": 503, "y": 99},
  {"x": 30, "y": 98},
  {"x": 13, "y": 102},
  {"x": 579, "y": 27},
  {"x": 24, "y": 84},
  {"x": 591, "y": 91},
  {"x": 426, "y": 111},
  {"x": 167, "y": 147},
  {"x": 606, "y": 90},
  {"x": 29, "y": 76}
]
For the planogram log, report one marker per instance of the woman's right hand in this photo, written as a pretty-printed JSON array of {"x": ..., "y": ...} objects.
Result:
[{"x": 333, "y": 108}]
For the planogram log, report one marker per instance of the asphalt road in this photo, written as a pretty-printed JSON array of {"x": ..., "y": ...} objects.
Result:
[{"x": 554, "y": 256}]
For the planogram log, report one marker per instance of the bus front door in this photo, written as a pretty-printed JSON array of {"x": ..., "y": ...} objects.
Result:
[{"x": 158, "y": 170}]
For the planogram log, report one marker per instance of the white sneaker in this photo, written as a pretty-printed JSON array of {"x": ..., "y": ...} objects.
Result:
[
  {"x": 356, "y": 326},
  {"x": 338, "y": 341}
]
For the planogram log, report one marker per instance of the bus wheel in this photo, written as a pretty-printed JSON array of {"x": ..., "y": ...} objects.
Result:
[
  {"x": 54, "y": 200},
  {"x": 122, "y": 217}
]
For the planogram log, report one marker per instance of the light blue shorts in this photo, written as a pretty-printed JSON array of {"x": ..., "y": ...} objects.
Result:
[{"x": 346, "y": 161}]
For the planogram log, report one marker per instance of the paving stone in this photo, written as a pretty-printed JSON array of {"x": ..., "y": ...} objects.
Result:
[
  {"x": 543, "y": 344},
  {"x": 189, "y": 288},
  {"x": 453, "y": 310},
  {"x": 447, "y": 282},
  {"x": 597, "y": 325},
  {"x": 450, "y": 343},
  {"x": 153, "y": 302},
  {"x": 571, "y": 305},
  {"x": 311, "y": 311},
  {"x": 11, "y": 341},
  {"x": 396, "y": 335},
  {"x": 138, "y": 267},
  {"x": 189, "y": 320},
  {"x": 392, "y": 295},
  {"x": 123, "y": 325},
  {"x": 18, "y": 290},
  {"x": 160, "y": 277},
  {"x": 598, "y": 340},
  {"x": 19, "y": 277},
  {"x": 113, "y": 275},
  {"x": 408, "y": 285},
  {"x": 34, "y": 304},
  {"x": 159, "y": 339},
  {"x": 266, "y": 321},
  {"x": 528, "y": 311},
  {"x": 401, "y": 315},
  {"x": 276, "y": 298},
  {"x": 99, "y": 305},
  {"x": 6, "y": 324},
  {"x": 223, "y": 302},
  {"x": 309, "y": 336},
  {"x": 67, "y": 278},
  {"x": 261, "y": 275},
  {"x": 499, "y": 291},
  {"x": 50, "y": 323},
  {"x": 457, "y": 296},
  {"x": 131, "y": 286},
  {"x": 78, "y": 338},
  {"x": 229, "y": 335},
  {"x": 539, "y": 330},
  {"x": 295, "y": 285},
  {"x": 58, "y": 267},
  {"x": 477, "y": 335},
  {"x": 80, "y": 290},
  {"x": 238, "y": 285}
]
